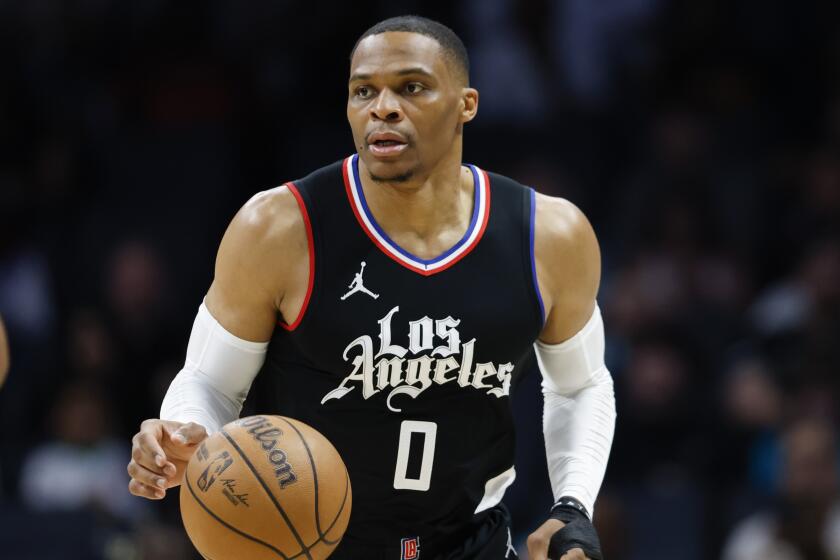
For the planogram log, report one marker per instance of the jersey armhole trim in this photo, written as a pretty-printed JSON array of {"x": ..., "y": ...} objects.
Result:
[
  {"x": 311, "y": 249},
  {"x": 532, "y": 228}
]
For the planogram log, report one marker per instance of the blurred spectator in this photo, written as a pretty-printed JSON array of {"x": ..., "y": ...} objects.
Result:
[
  {"x": 754, "y": 407},
  {"x": 91, "y": 352},
  {"x": 140, "y": 328},
  {"x": 5, "y": 359},
  {"x": 611, "y": 524},
  {"x": 661, "y": 408},
  {"x": 591, "y": 41},
  {"x": 136, "y": 289},
  {"x": 26, "y": 295},
  {"x": 504, "y": 64},
  {"x": 805, "y": 523},
  {"x": 81, "y": 467},
  {"x": 812, "y": 292}
]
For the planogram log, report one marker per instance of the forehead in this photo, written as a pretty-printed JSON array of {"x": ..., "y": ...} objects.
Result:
[{"x": 394, "y": 50}]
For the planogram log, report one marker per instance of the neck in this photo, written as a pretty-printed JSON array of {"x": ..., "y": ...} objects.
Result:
[{"x": 425, "y": 213}]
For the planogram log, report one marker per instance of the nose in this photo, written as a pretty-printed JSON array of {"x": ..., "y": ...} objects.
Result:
[{"x": 387, "y": 107}]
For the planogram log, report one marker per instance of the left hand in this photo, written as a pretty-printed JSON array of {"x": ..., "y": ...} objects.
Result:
[{"x": 539, "y": 540}]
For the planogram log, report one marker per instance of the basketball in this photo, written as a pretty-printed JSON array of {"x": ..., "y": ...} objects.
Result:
[{"x": 266, "y": 487}]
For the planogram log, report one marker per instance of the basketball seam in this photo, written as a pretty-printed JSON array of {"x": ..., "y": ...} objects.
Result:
[
  {"x": 334, "y": 521},
  {"x": 343, "y": 503},
  {"x": 314, "y": 475},
  {"x": 322, "y": 535},
  {"x": 304, "y": 548},
  {"x": 228, "y": 525}
]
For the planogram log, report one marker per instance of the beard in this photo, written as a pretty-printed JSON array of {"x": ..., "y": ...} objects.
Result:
[{"x": 401, "y": 178}]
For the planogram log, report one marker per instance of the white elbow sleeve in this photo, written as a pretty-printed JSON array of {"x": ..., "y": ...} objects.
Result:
[
  {"x": 579, "y": 414},
  {"x": 216, "y": 377}
]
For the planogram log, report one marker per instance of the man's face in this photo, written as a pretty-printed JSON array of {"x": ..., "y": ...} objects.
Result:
[
  {"x": 811, "y": 463},
  {"x": 406, "y": 104}
]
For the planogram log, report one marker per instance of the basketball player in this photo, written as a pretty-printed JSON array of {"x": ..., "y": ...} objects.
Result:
[{"x": 454, "y": 275}]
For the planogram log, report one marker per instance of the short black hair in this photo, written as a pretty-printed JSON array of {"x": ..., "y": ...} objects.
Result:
[{"x": 450, "y": 42}]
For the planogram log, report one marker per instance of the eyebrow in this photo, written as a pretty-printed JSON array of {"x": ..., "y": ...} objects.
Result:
[{"x": 405, "y": 71}]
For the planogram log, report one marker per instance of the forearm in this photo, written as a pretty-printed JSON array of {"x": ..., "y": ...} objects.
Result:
[
  {"x": 579, "y": 414},
  {"x": 578, "y": 431},
  {"x": 216, "y": 377},
  {"x": 193, "y": 398}
]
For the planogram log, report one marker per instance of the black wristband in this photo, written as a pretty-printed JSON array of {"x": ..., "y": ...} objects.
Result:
[
  {"x": 568, "y": 501},
  {"x": 577, "y": 533}
]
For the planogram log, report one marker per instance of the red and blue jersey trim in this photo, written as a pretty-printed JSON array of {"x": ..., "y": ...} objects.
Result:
[
  {"x": 311, "y": 245},
  {"x": 533, "y": 228},
  {"x": 426, "y": 267}
]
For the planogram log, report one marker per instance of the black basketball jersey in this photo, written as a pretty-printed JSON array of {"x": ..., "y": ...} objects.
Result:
[{"x": 407, "y": 364}]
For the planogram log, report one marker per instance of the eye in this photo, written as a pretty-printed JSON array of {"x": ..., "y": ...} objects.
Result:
[
  {"x": 414, "y": 88},
  {"x": 364, "y": 92}
]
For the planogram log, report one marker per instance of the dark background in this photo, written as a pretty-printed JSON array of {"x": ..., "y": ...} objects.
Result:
[{"x": 702, "y": 139}]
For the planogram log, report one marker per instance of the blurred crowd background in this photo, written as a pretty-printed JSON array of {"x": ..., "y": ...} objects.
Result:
[{"x": 701, "y": 137}]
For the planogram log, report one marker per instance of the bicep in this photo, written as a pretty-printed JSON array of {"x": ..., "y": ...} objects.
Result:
[
  {"x": 569, "y": 268},
  {"x": 251, "y": 264},
  {"x": 245, "y": 316}
]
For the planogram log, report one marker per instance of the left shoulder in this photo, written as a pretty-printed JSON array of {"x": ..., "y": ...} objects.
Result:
[
  {"x": 563, "y": 236},
  {"x": 568, "y": 262},
  {"x": 560, "y": 221}
]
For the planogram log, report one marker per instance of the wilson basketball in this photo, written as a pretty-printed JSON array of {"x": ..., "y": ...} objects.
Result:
[{"x": 266, "y": 487}]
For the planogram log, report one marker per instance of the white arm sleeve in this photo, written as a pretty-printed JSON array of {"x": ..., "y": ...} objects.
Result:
[
  {"x": 216, "y": 377},
  {"x": 579, "y": 414}
]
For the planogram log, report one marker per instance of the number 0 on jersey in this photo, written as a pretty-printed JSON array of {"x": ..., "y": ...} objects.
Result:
[{"x": 408, "y": 427}]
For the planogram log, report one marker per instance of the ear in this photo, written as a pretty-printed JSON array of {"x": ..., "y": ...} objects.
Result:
[{"x": 469, "y": 104}]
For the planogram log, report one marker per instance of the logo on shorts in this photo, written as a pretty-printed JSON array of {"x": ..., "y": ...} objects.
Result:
[{"x": 410, "y": 549}]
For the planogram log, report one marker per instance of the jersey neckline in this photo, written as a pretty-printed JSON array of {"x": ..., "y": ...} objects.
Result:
[{"x": 426, "y": 267}]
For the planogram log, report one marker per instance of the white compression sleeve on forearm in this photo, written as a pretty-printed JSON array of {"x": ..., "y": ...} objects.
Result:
[
  {"x": 216, "y": 377},
  {"x": 579, "y": 414}
]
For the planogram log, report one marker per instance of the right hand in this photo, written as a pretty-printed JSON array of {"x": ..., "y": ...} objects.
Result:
[{"x": 160, "y": 452}]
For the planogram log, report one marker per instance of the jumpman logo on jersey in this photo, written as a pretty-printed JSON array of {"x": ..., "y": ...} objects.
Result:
[
  {"x": 510, "y": 546},
  {"x": 357, "y": 286}
]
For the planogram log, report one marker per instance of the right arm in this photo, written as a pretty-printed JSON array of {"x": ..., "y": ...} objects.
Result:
[
  {"x": 262, "y": 268},
  {"x": 261, "y": 273}
]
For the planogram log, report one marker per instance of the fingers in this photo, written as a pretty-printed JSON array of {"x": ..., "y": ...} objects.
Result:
[
  {"x": 538, "y": 545},
  {"x": 538, "y": 541},
  {"x": 154, "y": 481},
  {"x": 148, "y": 439},
  {"x": 144, "y": 491},
  {"x": 151, "y": 470},
  {"x": 574, "y": 554},
  {"x": 189, "y": 434},
  {"x": 150, "y": 448},
  {"x": 147, "y": 452},
  {"x": 536, "y": 550}
]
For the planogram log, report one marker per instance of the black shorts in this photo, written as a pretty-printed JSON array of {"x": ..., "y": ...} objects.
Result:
[{"x": 490, "y": 539}]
